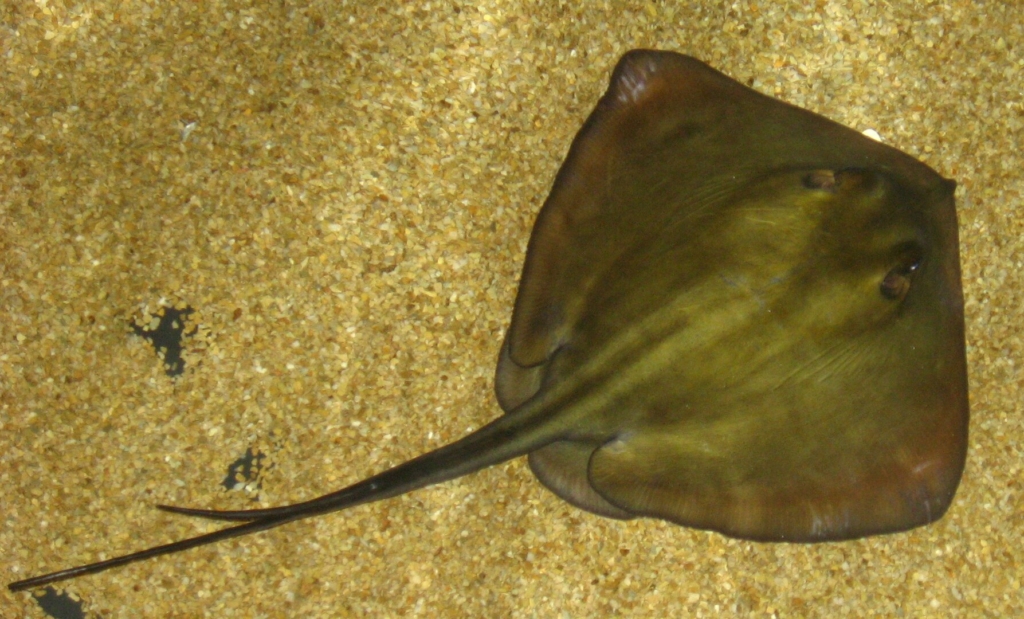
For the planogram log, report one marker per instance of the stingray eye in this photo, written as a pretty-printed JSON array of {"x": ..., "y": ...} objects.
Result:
[{"x": 896, "y": 283}]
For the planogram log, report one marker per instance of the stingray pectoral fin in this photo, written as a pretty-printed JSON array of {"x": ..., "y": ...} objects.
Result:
[
  {"x": 598, "y": 207},
  {"x": 671, "y": 476}
]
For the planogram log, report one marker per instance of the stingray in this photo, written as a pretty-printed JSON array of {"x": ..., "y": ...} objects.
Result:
[{"x": 734, "y": 315}]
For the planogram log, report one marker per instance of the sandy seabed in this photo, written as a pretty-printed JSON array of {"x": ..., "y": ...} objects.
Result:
[{"x": 343, "y": 192}]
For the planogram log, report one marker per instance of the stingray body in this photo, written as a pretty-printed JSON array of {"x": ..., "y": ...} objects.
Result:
[{"x": 734, "y": 315}]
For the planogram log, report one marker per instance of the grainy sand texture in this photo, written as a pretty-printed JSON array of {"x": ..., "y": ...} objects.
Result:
[{"x": 343, "y": 192}]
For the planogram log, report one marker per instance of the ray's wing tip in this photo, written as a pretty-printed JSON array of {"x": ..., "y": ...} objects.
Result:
[
  {"x": 656, "y": 89},
  {"x": 640, "y": 72}
]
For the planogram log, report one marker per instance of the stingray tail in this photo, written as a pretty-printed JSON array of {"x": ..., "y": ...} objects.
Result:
[
  {"x": 518, "y": 433},
  {"x": 505, "y": 438}
]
